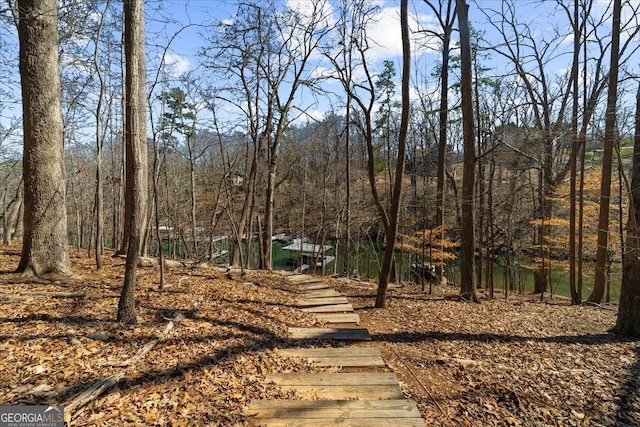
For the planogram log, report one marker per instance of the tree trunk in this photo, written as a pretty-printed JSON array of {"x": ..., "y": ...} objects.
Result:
[
  {"x": 99, "y": 194},
  {"x": 347, "y": 155},
  {"x": 12, "y": 215},
  {"x": 247, "y": 207},
  {"x": 267, "y": 231},
  {"x": 135, "y": 132},
  {"x": 442, "y": 136},
  {"x": 385, "y": 271},
  {"x": 575, "y": 297},
  {"x": 602, "y": 253},
  {"x": 467, "y": 261},
  {"x": 44, "y": 246},
  {"x": 628, "y": 321},
  {"x": 192, "y": 191},
  {"x": 541, "y": 274}
]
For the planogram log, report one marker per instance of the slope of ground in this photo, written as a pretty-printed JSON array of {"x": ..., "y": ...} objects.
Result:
[
  {"x": 513, "y": 362},
  {"x": 505, "y": 362}
]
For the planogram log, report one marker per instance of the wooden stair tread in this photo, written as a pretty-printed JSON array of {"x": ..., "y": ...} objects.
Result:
[
  {"x": 357, "y": 334},
  {"x": 347, "y": 357},
  {"x": 334, "y": 308},
  {"x": 332, "y": 378},
  {"x": 331, "y": 351},
  {"x": 338, "y": 318},
  {"x": 334, "y": 409},
  {"x": 320, "y": 301},
  {"x": 316, "y": 293},
  {"x": 339, "y": 422},
  {"x": 313, "y": 286}
]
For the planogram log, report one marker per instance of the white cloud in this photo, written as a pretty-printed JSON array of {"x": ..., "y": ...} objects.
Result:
[
  {"x": 306, "y": 10},
  {"x": 176, "y": 65},
  {"x": 321, "y": 72},
  {"x": 384, "y": 34}
]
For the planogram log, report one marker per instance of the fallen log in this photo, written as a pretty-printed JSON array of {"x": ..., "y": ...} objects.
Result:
[{"x": 96, "y": 389}]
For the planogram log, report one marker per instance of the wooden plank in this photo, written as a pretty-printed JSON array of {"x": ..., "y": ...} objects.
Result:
[
  {"x": 352, "y": 357},
  {"x": 339, "y": 422},
  {"x": 314, "y": 302},
  {"x": 338, "y": 318},
  {"x": 321, "y": 293},
  {"x": 334, "y": 379},
  {"x": 336, "y": 308},
  {"x": 334, "y": 409},
  {"x": 331, "y": 352},
  {"x": 347, "y": 361},
  {"x": 354, "y": 334},
  {"x": 314, "y": 286},
  {"x": 304, "y": 278},
  {"x": 339, "y": 392}
]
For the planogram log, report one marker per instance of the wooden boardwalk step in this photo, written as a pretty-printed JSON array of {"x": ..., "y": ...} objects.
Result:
[
  {"x": 314, "y": 286},
  {"x": 370, "y": 385},
  {"x": 317, "y": 293},
  {"x": 334, "y": 308},
  {"x": 352, "y": 422},
  {"x": 312, "y": 302},
  {"x": 304, "y": 279},
  {"x": 335, "y": 412},
  {"x": 338, "y": 318},
  {"x": 346, "y": 356},
  {"x": 353, "y": 334},
  {"x": 330, "y": 378}
]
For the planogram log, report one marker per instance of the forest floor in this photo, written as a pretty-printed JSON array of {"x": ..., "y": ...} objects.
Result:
[{"x": 513, "y": 362}]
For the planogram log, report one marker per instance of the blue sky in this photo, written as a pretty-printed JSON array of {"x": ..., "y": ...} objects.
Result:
[
  {"x": 385, "y": 33},
  {"x": 166, "y": 17}
]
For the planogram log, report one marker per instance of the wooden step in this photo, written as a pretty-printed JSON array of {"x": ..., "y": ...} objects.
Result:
[
  {"x": 345, "y": 356},
  {"x": 352, "y": 334},
  {"x": 313, "y": 286},
  {"x": 317, "y": 293},
  {"x": 314, "y": 302},
  {"x": 369, "y": 385},
  {"x": 351, "y": 422},
  {"x": 304, "y": 278},
  {"x": 334, "y": 308},
  {"x": 338, "y": 318},
  {"x": 335, "y": 412}
]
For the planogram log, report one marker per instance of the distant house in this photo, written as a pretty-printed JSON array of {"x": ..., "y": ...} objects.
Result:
[
  {"x": 308, "y": 253},
  {"x": 236, "y": 180}
]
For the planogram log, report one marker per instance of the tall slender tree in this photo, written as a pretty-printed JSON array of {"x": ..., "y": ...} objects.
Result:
[
  {"x": 44, "y": 246},
  {"x": 136, "y": 151},
  {"x": 467, "y": 256},
  {"x": 394, "y": 211},
  {"x": 628, "y": 321},
  {"x": 602, "y": 253},
  {"x": 446, "y": 15}
]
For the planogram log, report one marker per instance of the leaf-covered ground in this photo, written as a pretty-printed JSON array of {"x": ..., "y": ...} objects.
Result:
[{"x": 514, "y": 362}]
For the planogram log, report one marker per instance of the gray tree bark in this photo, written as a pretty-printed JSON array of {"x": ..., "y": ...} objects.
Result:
[
  {"x": 467, "y": 261},
  {"x": 44, "y": 246},
  {"x": 602, "y": 252},
  {"x": 136, "y": 147},
  {"x": 628, "y": 321},
  {"x": 387, "y": 263}
]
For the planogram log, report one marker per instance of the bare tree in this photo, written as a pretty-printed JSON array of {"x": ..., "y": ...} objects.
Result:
[
  {"x": 394, "y": 211},
  {"x": 269, "y": 52},
  {"x": 602, "y": 252},
  {"x": 628, "y": 321},
  {"x": 467, "y": 256},
  {"x": 445, "y": 14},
  {"x": 100, "y": 137},
  {"x": 44, "y": 246},
  {"x": 136, "y": 162}
]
